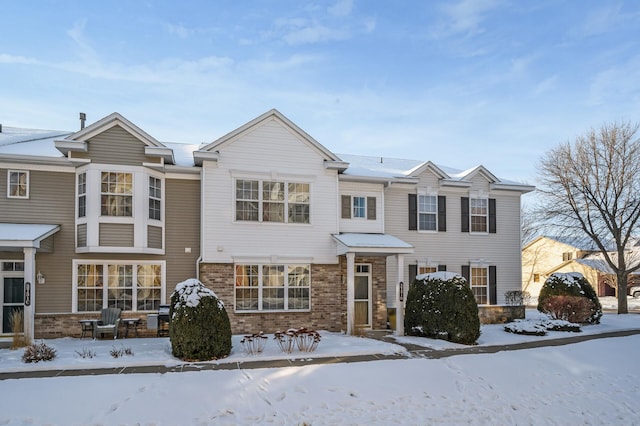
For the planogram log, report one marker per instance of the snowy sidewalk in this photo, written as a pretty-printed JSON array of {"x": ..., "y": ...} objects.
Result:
[{"x": 412, "y": 351}]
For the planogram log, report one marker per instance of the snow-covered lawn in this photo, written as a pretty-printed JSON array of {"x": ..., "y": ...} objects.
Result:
[{"x": 595, "y": 382}]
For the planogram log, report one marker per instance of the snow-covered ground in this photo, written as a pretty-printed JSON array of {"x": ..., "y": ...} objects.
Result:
[{"x": 595, "y": 382}]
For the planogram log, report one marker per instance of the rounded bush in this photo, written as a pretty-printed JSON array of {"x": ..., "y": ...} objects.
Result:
[
  {"x": 199, "y": 325},
  {"x": 442, "y": 306},
  {"x": 569, "y": 284}
]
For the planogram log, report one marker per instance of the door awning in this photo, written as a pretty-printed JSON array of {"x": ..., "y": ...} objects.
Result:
[
  {"x": 21, "y": 235},
  {"x": 380, "y": 244}
]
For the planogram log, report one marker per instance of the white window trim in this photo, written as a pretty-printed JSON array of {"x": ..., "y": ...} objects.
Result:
[
  {"x": 353, "y": 207},
  {"x": 479, "y": 197},
  {"x": 286, "y": 181},
  {"x": 105, "y": 296},
  {"x": 28, "y": 182},
  {"x": 261, "y": 287},
  {"x": 479, "y": 265},
  {"x": 426, "y": 194}
]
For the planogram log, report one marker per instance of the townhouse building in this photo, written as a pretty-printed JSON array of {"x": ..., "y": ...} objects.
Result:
[{"x": 284, "y": 231}]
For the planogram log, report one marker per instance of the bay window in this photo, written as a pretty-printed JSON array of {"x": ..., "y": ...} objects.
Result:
[{"x": 117, "y": 194}]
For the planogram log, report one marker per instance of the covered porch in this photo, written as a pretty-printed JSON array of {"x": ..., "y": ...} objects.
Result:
[
  {"x": 19, "y": 274},
  {"x": 352, "y": 245}
]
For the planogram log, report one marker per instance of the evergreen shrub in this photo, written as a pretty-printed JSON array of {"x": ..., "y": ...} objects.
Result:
[
  {"x": 442, "y": 306},
  {"x": 569, "y": 284},
  {"x": 199, "y": 327}
]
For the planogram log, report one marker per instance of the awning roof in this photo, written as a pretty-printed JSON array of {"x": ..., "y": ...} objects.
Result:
[
  {"x": 20, "y": 235},
  {"x": 371, "y": 244}
]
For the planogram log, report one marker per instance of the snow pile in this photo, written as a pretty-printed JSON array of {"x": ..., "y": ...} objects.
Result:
[
  {"x": 440, "y": 275},
  {"x": 191, "y": 291}
]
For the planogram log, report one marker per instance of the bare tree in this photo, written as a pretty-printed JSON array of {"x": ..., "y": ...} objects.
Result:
[{"x": 592, "y": 186}]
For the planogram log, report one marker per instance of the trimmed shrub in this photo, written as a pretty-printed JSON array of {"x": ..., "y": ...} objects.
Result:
[
  {"x": 442, "y": 306},
  {"x": 569, "y": 284},
  {"x": 199, "y": 327},
  {"x": 569, "y": 308}
]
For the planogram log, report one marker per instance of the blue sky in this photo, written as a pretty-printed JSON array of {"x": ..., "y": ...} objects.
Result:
[{"x": 460, "y": 83}]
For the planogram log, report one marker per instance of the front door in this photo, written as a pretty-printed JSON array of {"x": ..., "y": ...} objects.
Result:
[
  {"x": 362, "y": 289},
  {"x": 11, "y": 293},
  {"x": 12, "y": 301}
]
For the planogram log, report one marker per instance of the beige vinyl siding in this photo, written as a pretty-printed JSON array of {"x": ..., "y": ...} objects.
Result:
[
  {"x": 269, "y": 152},
  {"x": 115, "y": 146},
  {"x": 154, "y": 237},
  {"x": 82, "y": 235},
  {"x": 116, "y": 235},
  {"x": 182, "y": 230},
  {"x": 51, "y": 200},
  {"x": 47, "y": 245},
  {"x": 454, "y": 248}
]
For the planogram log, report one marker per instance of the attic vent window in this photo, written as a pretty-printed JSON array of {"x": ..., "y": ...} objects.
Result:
[{"x": 567, "y": 256}]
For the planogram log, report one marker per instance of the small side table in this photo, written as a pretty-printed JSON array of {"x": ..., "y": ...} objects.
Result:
[
  {"x": 87, "y": 325},
  {"x": 130, "y": 323}
]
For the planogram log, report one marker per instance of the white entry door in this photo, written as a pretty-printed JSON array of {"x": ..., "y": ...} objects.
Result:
[{"x": 362, "y": 289}]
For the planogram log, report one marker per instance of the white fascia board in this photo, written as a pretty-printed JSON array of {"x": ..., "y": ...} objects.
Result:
[
  {"x": 200, "y": 156},
  {"x": 377, "y": 179},
  {"x": 512, "y": 187},
  {"x": 456, "y": 183},
  {"x": 35, "y": 163},
  {"x": 162, "y": 152},
  {"x": 341, "y": 166},
  {"x": 65, "y": 146}
]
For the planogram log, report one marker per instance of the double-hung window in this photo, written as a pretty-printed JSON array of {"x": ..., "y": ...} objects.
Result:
[
  {"x": 479, "y": 214},
  {"x": 82, "y": 195},
  {"x": 272, "y": 287},
  {"x": 427, "y": 212},
  {"x": 480, "y": 284},
  {"x": 359, "y": 207},
  {"x": 128, "y": 286},
  {"x": 272, "y": 201},
  {"x": 18, "y": 184},
  {"x": 155, "y": 197},
  {"x": 117, "y": 194}
]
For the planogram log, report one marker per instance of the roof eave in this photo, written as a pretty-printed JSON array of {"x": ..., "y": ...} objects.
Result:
[{"x": 200, "y": 156}]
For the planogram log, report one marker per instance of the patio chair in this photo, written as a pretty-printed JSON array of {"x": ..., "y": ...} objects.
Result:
[{"x": 108, "y": 323}]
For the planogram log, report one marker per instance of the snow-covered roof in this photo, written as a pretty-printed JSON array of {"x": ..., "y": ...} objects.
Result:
[
  {"x": 19, "y": 141},
  {"x": 25, "y": 234},
  {"x": 371, "y": 243},
  {"x": 395, "y": 168}
]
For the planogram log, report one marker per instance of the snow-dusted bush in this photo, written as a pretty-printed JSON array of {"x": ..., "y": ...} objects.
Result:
[
  {"x": 569, "y": 284},
  {"x": 199, "y": 325},
  {"x": 441, "y": 305},
  {"x": 540, "y": 327},
  {"x": 37, "y": 352}
]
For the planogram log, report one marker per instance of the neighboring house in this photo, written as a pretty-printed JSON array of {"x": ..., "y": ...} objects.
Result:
[
  {"x": 545, "y": 255},
  {"x": 286, "y": 232}
]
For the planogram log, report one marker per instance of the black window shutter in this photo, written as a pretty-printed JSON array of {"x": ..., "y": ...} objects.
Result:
[
  {"x": 493, "y": 288},
  {"x": 466, "y": 274},
  {"x": 442, "y": 267},
  {"x": 413, "y": 212},
  {"x": 464, "y": 208},
  {"x": 492, "y": 216},
  {"x": 442, "y": 213},
  {"x": 371, "y": 208},
  {"x": 346, "y": 207},
  {"x": 413, "y": 271}
]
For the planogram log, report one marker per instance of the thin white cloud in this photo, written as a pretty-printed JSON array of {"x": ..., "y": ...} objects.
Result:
[
  {"x": 85, "y": 50},
  {"x": 341, "y": 8},
  {"x": 12, "y": 59},
  {"x": 465, "y": 17},
  {"x": 179, "y": 30},
  {"x": 545, "y": 86},
  {"x": 314, "y": 33}
]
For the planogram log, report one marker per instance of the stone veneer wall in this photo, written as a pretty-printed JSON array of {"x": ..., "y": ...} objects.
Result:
[
  {"x": 500, "y": 314},
  {"x": 328, "y": 299},
  {"x": 53, "y": 326}
]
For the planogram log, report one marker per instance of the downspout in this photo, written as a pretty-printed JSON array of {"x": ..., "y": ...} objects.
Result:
[{"x": 198, "y": 260}]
